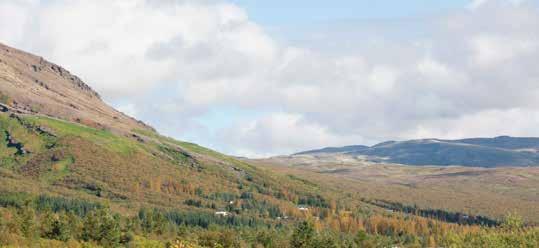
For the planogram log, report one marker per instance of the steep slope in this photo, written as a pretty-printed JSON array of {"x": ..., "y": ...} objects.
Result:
[
  {"x": 57, "y": 137},
  {"x": 482, "y": 152},
  {"x": 30, "y": 84}
]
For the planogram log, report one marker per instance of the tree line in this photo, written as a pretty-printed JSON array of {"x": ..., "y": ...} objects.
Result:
[{"x": 55, "y": 221}]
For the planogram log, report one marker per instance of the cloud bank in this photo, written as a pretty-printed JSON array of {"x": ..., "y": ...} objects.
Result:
[{"x": 472, "y": 72}]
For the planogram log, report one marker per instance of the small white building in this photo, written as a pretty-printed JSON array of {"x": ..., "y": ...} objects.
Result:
[
  {"x": 303, "y": 208},
  {"x": 222, "y": 213}
]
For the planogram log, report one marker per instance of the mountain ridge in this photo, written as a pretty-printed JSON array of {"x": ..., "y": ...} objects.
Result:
[
  {"x": 30, "y": 84},
  {"x": 481, "y": 152}
]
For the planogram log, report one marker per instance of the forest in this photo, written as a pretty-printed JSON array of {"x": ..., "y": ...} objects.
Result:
[{"x": 27, "y": 220}]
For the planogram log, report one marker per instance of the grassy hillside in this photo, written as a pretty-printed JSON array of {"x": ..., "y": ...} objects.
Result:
[
  {"x": 73, "y": 159},
  {"x": 61, "y": 180},
  {"x": 43, "y": 156}
]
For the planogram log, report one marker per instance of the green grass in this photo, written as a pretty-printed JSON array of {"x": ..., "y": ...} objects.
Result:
[
  {"x": 4, "y": 150},
  {"x": 176, "y": 155},
  {"x": 7, "y": 162},
  {"x": 104, "y": 138},
  {"x": 147, "y": 133},
  {"x": 31, "y": 141},
  {"x": 192, "y": 147}
]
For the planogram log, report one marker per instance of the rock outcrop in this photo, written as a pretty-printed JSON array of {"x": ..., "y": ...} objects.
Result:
[{"x": 31, "y": 84}]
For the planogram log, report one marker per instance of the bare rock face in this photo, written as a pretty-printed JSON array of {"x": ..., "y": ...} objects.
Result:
[{"x": 30, "y": 84}]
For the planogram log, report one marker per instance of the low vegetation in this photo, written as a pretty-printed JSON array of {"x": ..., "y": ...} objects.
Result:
[
  {"x": 491, "y": 192},
  {"x": 76, "y": 186}
]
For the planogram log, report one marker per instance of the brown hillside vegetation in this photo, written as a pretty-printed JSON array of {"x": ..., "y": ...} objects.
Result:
[{"x": 479, "y": 191}]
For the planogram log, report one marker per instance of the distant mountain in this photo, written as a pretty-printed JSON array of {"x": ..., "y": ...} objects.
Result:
[
  {"x": 335, "y": 150},
  {"x": 481, "y": 152}
]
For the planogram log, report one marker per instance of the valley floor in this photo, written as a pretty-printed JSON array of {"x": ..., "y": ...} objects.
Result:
[{"x": 492, "y": 192}]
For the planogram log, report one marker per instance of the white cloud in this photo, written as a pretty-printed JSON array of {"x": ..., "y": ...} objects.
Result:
[
  {"x": 433, "y": 69},
  {"x": 480, "y": 3},
  {"x": 114, "y": 51},
  {"x": 169, "y": 62},
  {"x": 281, "y": 133},
  {"x": 477, "y": 3},
  {"x": 493, "y": 50},
  {"x": 488, "y": 123},
  {"x": 382, "y": 79}
]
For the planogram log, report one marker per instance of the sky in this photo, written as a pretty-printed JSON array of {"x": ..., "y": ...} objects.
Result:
[
  {"x": 301, "y": 12},
  {"x": 263, "y": 78}
]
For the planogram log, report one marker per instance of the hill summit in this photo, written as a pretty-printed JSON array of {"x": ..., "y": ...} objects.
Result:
[{"x": 30, "y": 84}]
